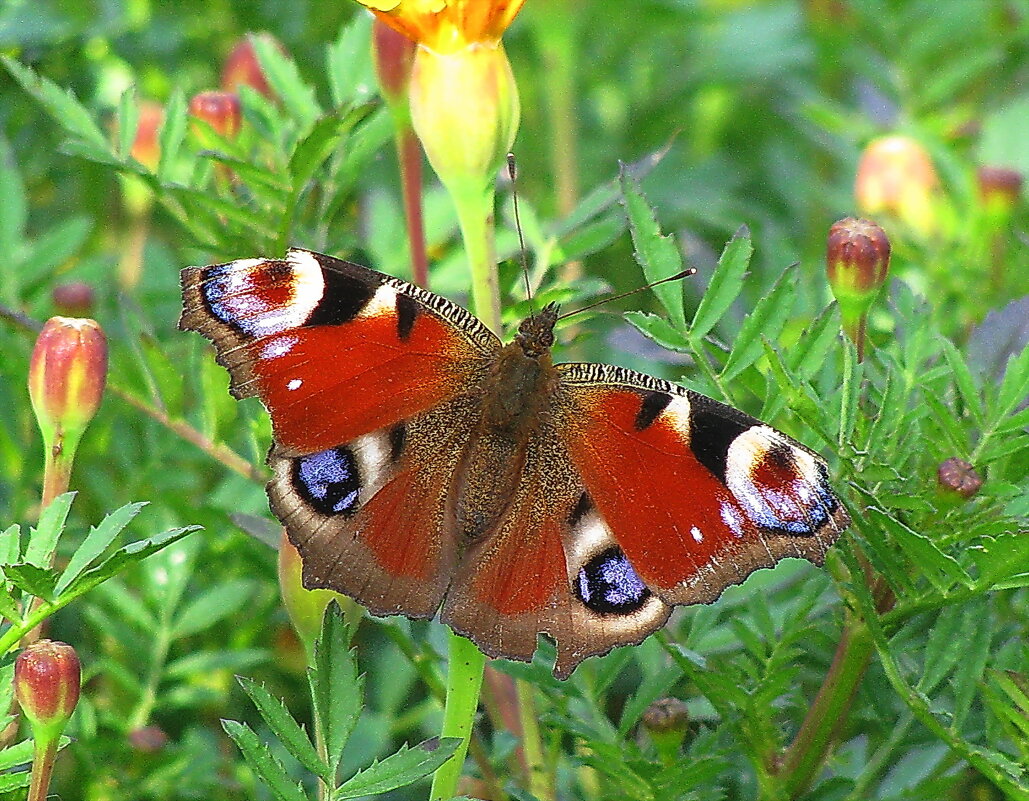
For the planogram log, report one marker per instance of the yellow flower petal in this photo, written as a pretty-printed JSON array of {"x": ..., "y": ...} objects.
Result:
[{"x": 447, "y": 25}]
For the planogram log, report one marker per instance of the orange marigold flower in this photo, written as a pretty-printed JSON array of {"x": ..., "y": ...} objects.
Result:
[{"x": 447, "y": 25}]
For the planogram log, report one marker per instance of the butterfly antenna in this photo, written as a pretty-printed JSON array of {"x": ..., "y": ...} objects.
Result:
[
  {"x": 602, "y": 301},
  {"x": 512, "y": 172}
]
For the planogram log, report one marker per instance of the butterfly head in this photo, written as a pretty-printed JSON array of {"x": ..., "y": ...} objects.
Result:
[{"x": 536, "y": 333}]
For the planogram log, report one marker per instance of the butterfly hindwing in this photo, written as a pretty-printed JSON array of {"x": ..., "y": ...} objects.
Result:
[{"x": 697, "y": 494}]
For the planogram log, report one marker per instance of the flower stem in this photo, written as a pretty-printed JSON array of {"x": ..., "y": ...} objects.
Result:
[
  {"x": 475, "y": 216},
  {"x": 45, "y": 753},
  {"x": 409, "y": 154},
  {"x": 464, "y": 681}
]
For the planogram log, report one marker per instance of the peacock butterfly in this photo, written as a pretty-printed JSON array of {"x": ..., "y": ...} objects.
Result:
[{"x": 422, "y": 466}]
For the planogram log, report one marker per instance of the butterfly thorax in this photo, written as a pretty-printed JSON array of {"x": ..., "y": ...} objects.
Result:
[{"x": 517, "y": 396}]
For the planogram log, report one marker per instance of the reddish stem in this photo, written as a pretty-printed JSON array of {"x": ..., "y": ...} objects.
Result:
[{"x": 409, "y": 154}]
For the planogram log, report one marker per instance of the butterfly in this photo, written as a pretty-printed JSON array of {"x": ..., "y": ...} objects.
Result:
[{"x": 423, "y": 467}]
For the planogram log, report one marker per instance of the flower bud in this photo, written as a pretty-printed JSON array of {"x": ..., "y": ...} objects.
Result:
[
  {"x": 146, "y": 148},
  {"x": 896, "y": 176},
  {"x": 67, "y": 374},
  {"x": 666, "y": 721},
  {"x": 304, "y": 607},
  {"x": 857, "y": 262},
  {"x": 220, "y": 110},
  {"x": 959, "y": 477},
  {"x": 999, "y": 190},
  {"x": 47, "y": 678},
  {"x": 148, "y": 739},
  {"x": 394, "y": 59},
  {"x": 74, "y": 299},
  {"x": 243, "y": 68},
  {"x": 464, "y": 108}
]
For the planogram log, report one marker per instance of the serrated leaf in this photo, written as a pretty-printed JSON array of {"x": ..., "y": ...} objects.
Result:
[
  {"x": 350, "y": 70},
  {"x": 171, "y": 135},
  {"x": 812, "y": 351},
  {"x": 14, "y": 781},
  {"x": 261, "y": 761},
  {"x": 62, "y": 105},
  {"x": 944, "y": 647},
  {"x": 659, "y": 330},
  {"x": 941, "y": 569},
  {"x": 9, "y": 610},
  {"x": 768, "y": 319},
  {"x": 969, "y": 671},
  {"x": 963, "y": 378},
  {"x": 657, "y": 254},
  {"x": 37, "y": 581},
  {"x": 214, "y": 604},
  {"x": 125, "y": 557},
  {"x": 1000, "y": 558},
  {"x": 405, "y": 767},
  {"x": 725, "y": 286},
  {"x": 289, "y": 732},
  {"x": 10, "y": 544},
  {"x": 314, "y": 148},
  {"x": 336, "y": 689},
  {"x": 284, "y": 79},
  {"x": 97, "y": 541},
  {"x": 21, "y": 753},
  {"x": 43, "y": 538}
]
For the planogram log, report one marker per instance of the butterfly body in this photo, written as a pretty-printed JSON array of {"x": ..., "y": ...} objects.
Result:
[{"x": 422, "y": 466}]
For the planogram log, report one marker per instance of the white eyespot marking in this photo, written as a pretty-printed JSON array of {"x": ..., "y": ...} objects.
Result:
[
  {"x": 383, "y": 301},
  {"x": 278, "y": 347},
  {"x": 732, "y": 518},
  {"x": 587, "y": 538},
  {"x": 698, "y": 535},
  {"x": 677, "y": 414},
  {"x": 372, "y": 454},
  {"x": 294, "y": 383}
]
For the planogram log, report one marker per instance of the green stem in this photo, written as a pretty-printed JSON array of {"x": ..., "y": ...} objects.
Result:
[
  {"x": 162, "y": 643},
  {"x": 540, "y": 784},
  {"x": 45, "y": 752},
  {"x": 464, "y": 681},
  {"x": 807, "y": 753},
  {"x": 475, "y": 216}
]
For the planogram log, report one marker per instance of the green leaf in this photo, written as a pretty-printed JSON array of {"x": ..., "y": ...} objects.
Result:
[
  {"x": 658, "y": 255},
  {"x": 261, "y": 761},
  {"x": 60, "y": 103},
  {"x": 128, "y": 122},
  {"x": 726, "y": 284},
  {"x": 1001, "y": 558},
  {"x": 405, "y": 767},
  {"x": 97, "y": 541},
  {"x": 18, "y": 754},
  {"x": 43, "y": 538},
  {"x": 289, "y": 732},
  {"x": 335, "y": 686},
  {"x": 942, "y": 570},
  {"x": 220, "y": 601},
  {"x": 768, "y": 319},
  {"x": 173, "y": 131},
  {"x": 131, "y": 554},
  {"x": 14, "y": 781},
  {"x": 969, "y": 672},
  {"x": 10, "y": 544},
  {"x": 284, "y": 79},
  {"x": 659, "y": 330},
  {"x": 350, "y": 69},
  {"x": 37, "y": 581},
  {"x": 9, "y": 610},
  {"x": 970, "y": 394},
  {"x": 313, "y": 149},
  {"x": 14, "y": 209}
]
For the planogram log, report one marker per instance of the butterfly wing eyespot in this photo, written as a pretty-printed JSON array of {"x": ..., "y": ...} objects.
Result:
[{"x": 697, "y": 494}]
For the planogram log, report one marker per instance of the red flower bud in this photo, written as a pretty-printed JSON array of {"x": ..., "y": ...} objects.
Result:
[
  {"x": 47, "y": 678},
  {"x": 243, "y": 68},
  {"x": 857, "y": 262},
  {"x": 999, "y": 189},
  {"x": 67, "y": 374},
  {"x": 220, "y": 110},
  {"x": 666, "y": 721},
  {"x": 896, "y": 176},
  {"x": 74, "y": 299},
  {"x": 145, "y": 148},
  {"x": 958, "y": 476},
  {"x": 394, "y": 57}
]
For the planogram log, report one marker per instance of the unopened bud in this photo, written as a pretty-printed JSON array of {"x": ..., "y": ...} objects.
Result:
[
  {"x": 146, "y": 148},
  {"x": 999, "y": 190},
  {"x": 67, "y": 374},
  {"x": 243, "y": 68},
  {"x": 394, "y": 58},
  {"x": 74, "y": 299},
  {"x": 47, "y": 678},
  {"x": 304, "y": 607},
  {"x": 464, "y": 108},
  {"x": 895, "y": 176},
  {"x": 666, "y": 721},
  {"x": 857, "y": 263},
  {"x": 960, "y": 477},
  {"x": 220, "y": 110},
  {"x": 148, "y": 740}
]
